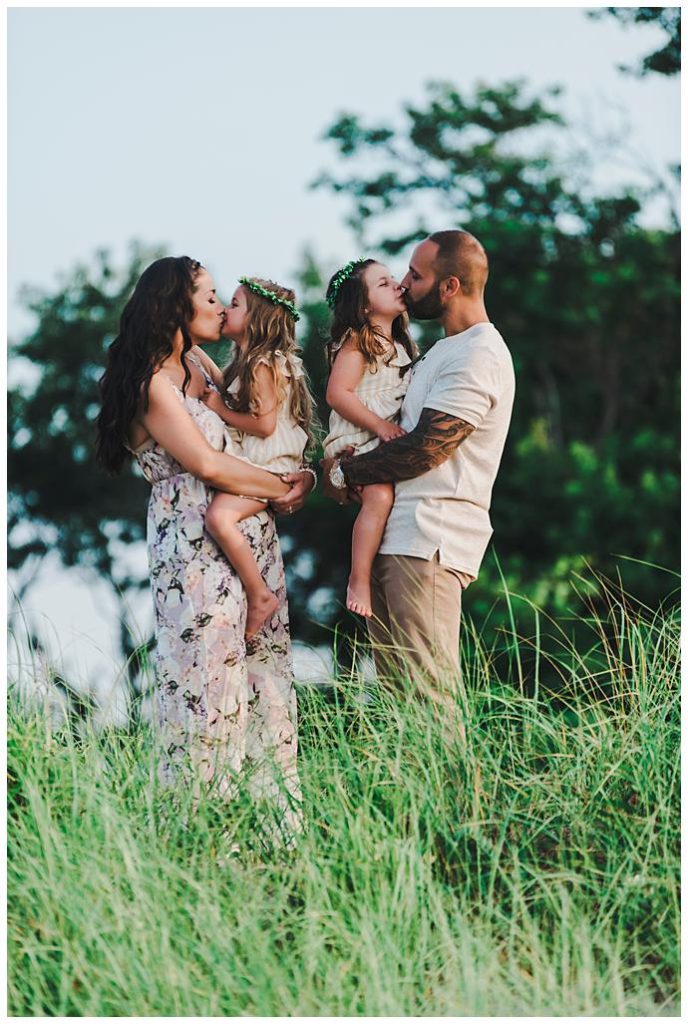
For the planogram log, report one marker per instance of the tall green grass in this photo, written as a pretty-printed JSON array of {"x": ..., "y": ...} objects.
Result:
[{"x": 533, "y": 871}]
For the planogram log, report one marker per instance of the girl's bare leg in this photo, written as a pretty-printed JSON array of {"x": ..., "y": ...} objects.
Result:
[
  {"x": 224, "y": 514},
  {"x": 376, "y": 504}
]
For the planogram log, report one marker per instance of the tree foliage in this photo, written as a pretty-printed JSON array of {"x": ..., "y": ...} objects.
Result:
[
  {"x": 59, "y": 500},
  {"x": 666, "y": 59}
]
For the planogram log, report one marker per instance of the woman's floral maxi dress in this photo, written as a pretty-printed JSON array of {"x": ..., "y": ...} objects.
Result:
[{"x": 222, "y": 703}]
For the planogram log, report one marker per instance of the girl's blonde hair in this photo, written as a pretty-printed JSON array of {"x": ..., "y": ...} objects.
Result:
[
  {"x": 269, "y": 329},
  {"x": 349, "y": 320}
]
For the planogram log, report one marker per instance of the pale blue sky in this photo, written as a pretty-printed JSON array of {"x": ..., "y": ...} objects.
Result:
[{"x": 201, "y": 128}]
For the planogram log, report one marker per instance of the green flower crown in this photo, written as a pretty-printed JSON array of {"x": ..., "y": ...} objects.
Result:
[
  {"x": 340, "y": 277},
  {"x": 258, "y": 289}
]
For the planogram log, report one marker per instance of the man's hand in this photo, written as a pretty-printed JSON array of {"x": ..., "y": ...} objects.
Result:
[
  {"x": 302, "y": 484},
  {"x": 344, "y": 496}
]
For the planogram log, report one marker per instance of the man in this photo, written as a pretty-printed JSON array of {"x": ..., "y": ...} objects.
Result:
[{"x": 456, "y": 414}]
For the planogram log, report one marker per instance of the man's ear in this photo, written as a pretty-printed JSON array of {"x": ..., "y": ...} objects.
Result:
[{"x": 450, "y": 287}]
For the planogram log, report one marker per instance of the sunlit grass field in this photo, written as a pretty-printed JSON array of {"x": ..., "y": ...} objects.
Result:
[{"x": 532, "y": 871}]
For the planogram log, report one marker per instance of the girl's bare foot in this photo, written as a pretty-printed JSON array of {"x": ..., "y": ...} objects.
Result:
[
  {"x": 358, "y": 598},
  {"x": 260, "y": 607}
]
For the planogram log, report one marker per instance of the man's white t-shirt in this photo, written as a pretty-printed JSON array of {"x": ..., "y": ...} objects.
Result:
[{"x": 446, "y": 510}]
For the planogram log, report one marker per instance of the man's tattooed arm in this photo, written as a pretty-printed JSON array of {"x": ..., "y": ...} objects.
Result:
[{"x": 429, "y": 444}]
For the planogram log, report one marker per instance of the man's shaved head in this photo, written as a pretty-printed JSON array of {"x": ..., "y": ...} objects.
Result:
[{"x": 460, "y": 254}]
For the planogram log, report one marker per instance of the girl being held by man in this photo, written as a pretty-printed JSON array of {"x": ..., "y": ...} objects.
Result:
[{"x": 369, "y": 353}]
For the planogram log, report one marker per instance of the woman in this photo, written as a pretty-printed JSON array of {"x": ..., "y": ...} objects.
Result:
[{"x": 218, "y": 704}]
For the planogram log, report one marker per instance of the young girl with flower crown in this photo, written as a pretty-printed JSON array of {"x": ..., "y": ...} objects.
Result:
[
  {"x": 268, "y": 410},
  {"x": 369, "y": 352}
]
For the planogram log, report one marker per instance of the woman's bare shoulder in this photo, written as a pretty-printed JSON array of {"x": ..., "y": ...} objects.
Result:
[{"x": 159, "y": 385}]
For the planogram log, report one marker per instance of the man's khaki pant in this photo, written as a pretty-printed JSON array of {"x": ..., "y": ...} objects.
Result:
[{"x": 415, "y": 625}]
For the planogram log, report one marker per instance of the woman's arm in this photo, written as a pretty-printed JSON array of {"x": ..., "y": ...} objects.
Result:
[
  {"x": 168, "y": 423},
  {"x": 346, "y": 375},
  {"x": 264, "y": 421}
]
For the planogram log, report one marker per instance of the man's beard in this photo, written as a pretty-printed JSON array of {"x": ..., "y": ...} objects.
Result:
[{"x": 427, "y": 308}]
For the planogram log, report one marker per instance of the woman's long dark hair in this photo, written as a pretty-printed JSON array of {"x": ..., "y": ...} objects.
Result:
[
  {"x": 160, "y": 306},
  {"x": 349, "y": 320}
]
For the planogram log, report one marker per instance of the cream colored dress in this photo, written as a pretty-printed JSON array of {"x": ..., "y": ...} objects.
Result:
[
  {"x": 282, "y": 451},
  {"x": 381, "y": 389}
]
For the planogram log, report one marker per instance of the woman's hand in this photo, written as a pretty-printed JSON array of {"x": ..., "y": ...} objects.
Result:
[
  {"x": 388, "y": 431},
  {"x": 302, "y": 483}
]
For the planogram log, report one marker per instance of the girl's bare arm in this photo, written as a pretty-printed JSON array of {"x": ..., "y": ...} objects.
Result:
[
  {"x": 264, "y": 421},
  {"x": 346, "y": 375}
]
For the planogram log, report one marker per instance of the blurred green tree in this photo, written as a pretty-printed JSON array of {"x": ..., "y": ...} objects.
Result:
[
  {"x": 59, "y": 501},
  {"x": 666, "y": 59}
]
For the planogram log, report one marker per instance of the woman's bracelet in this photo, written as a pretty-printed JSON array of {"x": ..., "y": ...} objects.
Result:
[{"x": 309, "y": 469}]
